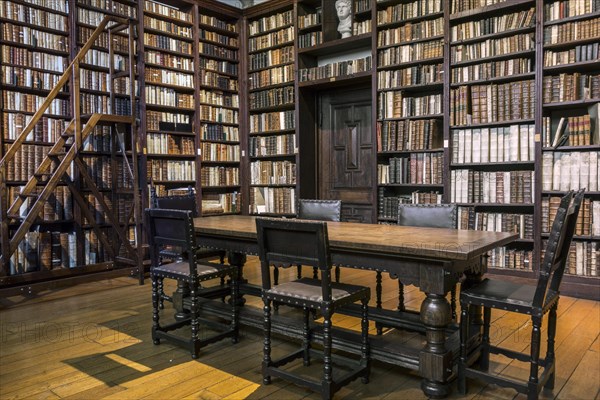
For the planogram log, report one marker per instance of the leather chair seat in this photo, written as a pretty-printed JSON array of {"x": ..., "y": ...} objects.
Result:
[
  {"x": 181, "y": 270},
  {"x": 308, "y": 290}
]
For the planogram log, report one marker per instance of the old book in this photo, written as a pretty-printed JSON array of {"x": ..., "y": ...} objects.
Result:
[{"x": 561, "y": 133}]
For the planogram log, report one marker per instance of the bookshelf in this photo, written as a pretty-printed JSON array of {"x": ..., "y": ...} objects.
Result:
[
  {"x": 219, "y": 112},
  {"x": 410, "y": 110},
  {"x": 570, "y": 84},
  {"x": 272, "y": 147}
]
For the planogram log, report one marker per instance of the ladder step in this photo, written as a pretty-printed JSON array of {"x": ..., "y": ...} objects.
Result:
[
  {"x": 15, "y": 216},
  {"x": 67, "y": 134},
  {"x": 42, "y": 174},
  {"x": 125, "y": 260},
  {"x": 30, "y": 195},
  {"x": 58, "y": 154}
]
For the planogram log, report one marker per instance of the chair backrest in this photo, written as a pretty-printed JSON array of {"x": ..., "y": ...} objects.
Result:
[
  {"x": 286, "y": 242},
  {"x": 173, "y": 228},
  {"x": 557, "y": 249},
  {"x": 180, "y": 202},
  {"x": 428, "y": 215},
  {"x": 320, "y": 210}
]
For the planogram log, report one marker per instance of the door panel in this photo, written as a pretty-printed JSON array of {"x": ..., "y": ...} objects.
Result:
[{"x": 346, "y": 151}]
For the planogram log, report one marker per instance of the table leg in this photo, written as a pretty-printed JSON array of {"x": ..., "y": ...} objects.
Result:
[
  {"x": 435, "y": 361},
  {"x": 238, "y": 259},
  {"x": 475, "y": 329},
  {"x": 182, "y": 291}
]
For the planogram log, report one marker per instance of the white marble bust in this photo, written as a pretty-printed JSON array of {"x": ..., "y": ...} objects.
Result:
[{"x": 344, "y": 14}]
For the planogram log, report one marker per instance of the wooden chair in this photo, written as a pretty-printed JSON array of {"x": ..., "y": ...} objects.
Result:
[
  {"x": 423, "y": 215},
  {"x": 175, "y": 229},
  {"x": 187, "y": 203},
  {"x": 287, "y": 242},
  {"x": 319, "y": 210},
  {"x": 535, "y": 301}
]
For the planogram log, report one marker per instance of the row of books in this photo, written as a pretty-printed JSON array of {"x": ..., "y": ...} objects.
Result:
[
  {"x": 47, "y": 130},
  {"x": 417, "y": 75},
  {"x": 98, "y": 140},
  {"x": 219, "y": 203},
  {"x": 218, "y": 114},
  {"x": 42, "y": 251},
  {"x": 220, "y": 152},
  {"x": 521, "y": 224},
  {"x": 59, "y": 206},
  {"x": 273, "y": 121},
  {"x": 32, "y": 16},
  {"x": 115, "y": 7},
  {"x": 588, "y": 220},
  {"x": 572, "y": 31},
  {"x": 410, "y": 53},
  {"x": 217, "y": 98},
  {"x": 94, "y": 250},
  {"x": 492, "y": 47},
  {"x": 211, "y": 50},
  {"x": 271, "y": 97},
  {"x": 167, "y": 26},
  {"x": 362, "y": 5},
  {"x": 271, "y": 22},
  {"x": 569, "y": 8},
  {"x": 25, "y": 162},
  {"x": 502, "y": 144},
  {"x": 159, "y": 8},
  {"x": 119, "y": 42},
  {"x": 157, "y": 120},
  {"x": 570, "y": 87},
  {"x": 57, "y": 5},
  {"x": 272, "y": 173},
  {"x": 168, "y": 97},
  {"x": 169, "y": 60},
  {"x": 33, "y": 59},
  {"x": 409, "y": 135},
  {"x": 28, "y": 78},
  {"x": 417, "y": 169},
  {"x": 507, "y": 258},
  {"x": 283, "y": 36},
  {"x": 336, "y": 69},
  {"x": 217, "y": 23},
  {"x": 411, "y": 31},
  {"x": 361, "y": 28},
  {"x": 226, "y": 67},
  {"x": 308, "y": 20},
  {"x": 219, "y": 176},
  {"x": 100, "y": 170},
  {"x": 259, "y": 146},
  {"x": 34, "y": 38},
  {"x": 402, "y": 11},
  {"x": 488, "y": 26},
  {"x": 212, "y": 36},
  {"x": 92, "y": 103},
  {"x": 582, "y": 130},
  {"x": 571, "y": 170},
  {"x": 31, "y": 103},
  {"x": 581, "y": 53},
  {"x": 507, "y": 187},
  {"x": 272, "y": 200},
  {"x": 219, "y": 81},
  {"x": 168, "y": 43},
  {"x": 272, "y": 76},
  {"x": 98, "y": 213},
  {"x": 481, "y": 104},
  {"x": 310, "y": 39},
  {"x": 397, "y": 104},
  {"x": 102, "y": 59},
  {"x": 490, "y": 70},
  {"x": 388, "y": 205},
  {"x": 171, "y": 170},
  {"x": 272, "y": 57},
  {"x": 157, "y": 143},
  {"x": 217, "y": 132},
  {"x": 156, "y": 75},
  {"x": 583, "y": 259},
  {"x": 457, "y": 6}
]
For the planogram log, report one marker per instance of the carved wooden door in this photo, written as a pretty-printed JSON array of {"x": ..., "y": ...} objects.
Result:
[{"x": 347, "y": 152}]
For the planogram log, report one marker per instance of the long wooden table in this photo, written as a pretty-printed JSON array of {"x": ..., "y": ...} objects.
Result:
[{"x": 432, "y": 259}]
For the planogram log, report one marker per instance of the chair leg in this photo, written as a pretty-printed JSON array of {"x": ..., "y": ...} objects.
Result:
[
  {"x": 267, "y": 341},
  {"x": 378, "y": 326},
  {"x": 401, "y": 306},
  {"x": 195, "y": 322},
  {"x": 364, "y": 350},
  {"x": 327, "y": 367},
  {"x": 155, "y": 305},
  {"x": 337, "y": 274},
  {"x": 550, "y": 353},
  {"x": 161, "y": 298},
  {"x": 275, "y": 276},
  {"x": 298, "y": 271},
  {"x": 462, "y": 364},
  {"x": 532, "y": 389},
  {"x": 234, "y": 308},
  {"x": 485, "y": 351},
  {"x": 315, "y": 273},
  {"x": 306, "y": 337}
]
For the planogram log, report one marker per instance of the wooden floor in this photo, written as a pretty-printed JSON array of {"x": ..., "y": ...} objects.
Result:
[{"x": 93, "y": 341}]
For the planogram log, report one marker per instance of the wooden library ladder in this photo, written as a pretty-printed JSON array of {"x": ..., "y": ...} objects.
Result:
[{"x": 66, "y": 152}]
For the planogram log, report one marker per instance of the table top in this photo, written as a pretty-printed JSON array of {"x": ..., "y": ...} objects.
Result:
[{"x": 439, "y": 243}]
